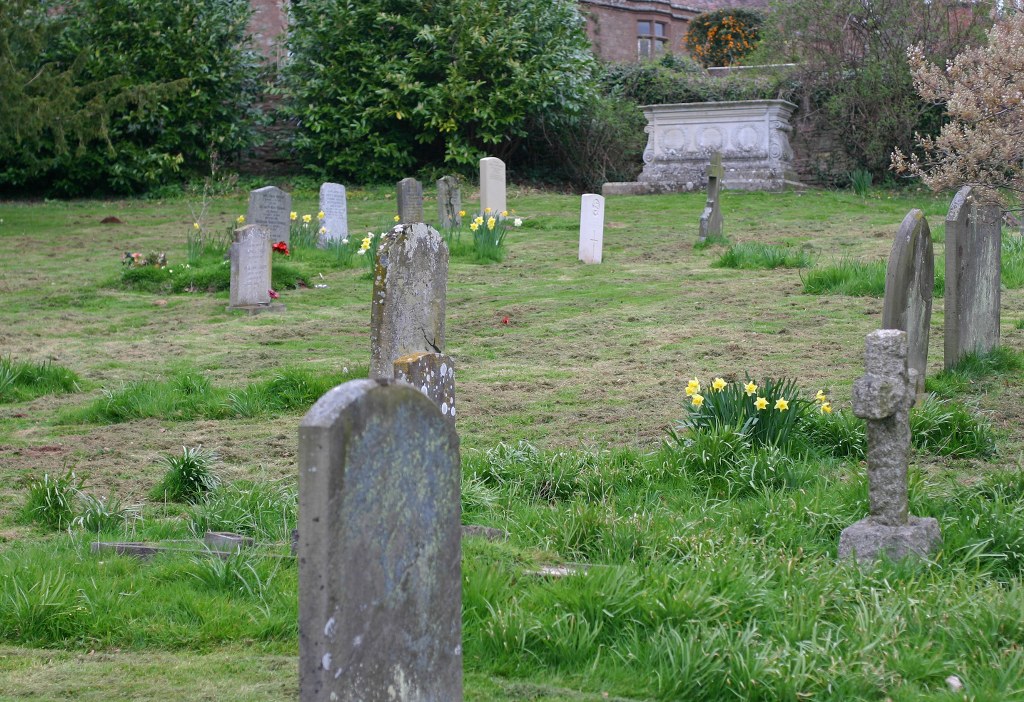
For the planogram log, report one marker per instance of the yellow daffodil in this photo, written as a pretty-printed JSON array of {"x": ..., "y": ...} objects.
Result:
[
  {"x": 241, "y": 219},
  {"x": 760, "y": 403},
  {"x": 781, "y": 404},
  {"x": 293, "y": 216},
  {"x": 491, "y": 221},
  {"x": 826, "y": 408},
  {"x": 479, "y": 219},
  {"x": 487, "y": 210},
  {"x": 820, "y": 397},
  {"x": 750, "y": 388},
  {"x": 694, "y": 383},
  {"x": 397, "y": 218},
  {"x": 697, "y": 400},
  {"x": 195, "y": 225},
  {"x": 504, "y": 213},
  {"x": 306, "y": 219},
  {"x": 473, "y": 226},
  {"x": 320, "y": 214},
  {"x": 462, "y": 213},
  {"x": 718, "y": 384}
]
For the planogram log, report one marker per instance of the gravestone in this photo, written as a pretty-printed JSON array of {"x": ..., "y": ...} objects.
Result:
[
  {"x": 492, "y": 185},
  {"x": 433, "y": 374},
  {"x": 909, "y": 281},
  {"x": 973, "y": 260},
  {"x": 883, "y": 396},
  {"x": 334, "y": 205},
  {"x": 591, "y": 228},
  {"x": 410, "y": 201},
  {"x": 379, "y": 548},
  {"x": 270, "y": 208},
  {"x": 711, "y": 218},
  {"x": 410, "y": 284},
  {"x": 449, "y": 201},
  {"x": 250, "y": 270}
]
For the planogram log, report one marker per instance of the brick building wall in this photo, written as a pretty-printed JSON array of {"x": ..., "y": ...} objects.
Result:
[{"x": 612, "y": 26}]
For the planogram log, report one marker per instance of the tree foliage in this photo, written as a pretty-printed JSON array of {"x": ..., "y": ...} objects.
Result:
[
  {"x": 379, "y": 87},
  {"x": 854, "y": 66},
  {"x": 723, "y": 37},
  {"x": 982, "y": 90}
]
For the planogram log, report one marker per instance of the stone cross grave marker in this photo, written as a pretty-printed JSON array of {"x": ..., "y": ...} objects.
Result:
[
  {"x": 410, "y": 285},
  {"x": 591, "y": 228},
  {"x": 973, "y": 260},
  {"x": 883, "y": 396},
  {"x": 433, "y": 374},
  {"x": 909, "y": 281},
  {"x": 334, "y": 205},
  {"x": 410, "y": 201},
  {"x": 492, "y": 186},
  {"x": 711, "y": 218},
  {"x": 250, "y": 269},
  {"x": 380, "y": 583},
  {"x": 449, "y": 201},
  {"x": 270, "y": 208}
]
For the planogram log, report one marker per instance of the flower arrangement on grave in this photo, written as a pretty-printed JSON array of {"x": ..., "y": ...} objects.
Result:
[
  {"x": 489, "y": 230},
  {"x": 139, "y": 260},
  {"x": 281, "y": 248}
]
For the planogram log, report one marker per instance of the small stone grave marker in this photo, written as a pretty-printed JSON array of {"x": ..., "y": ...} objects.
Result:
[
  {"x": 269, "y": 208},
  {"x": 334, "y": 205},
  {"x": 410, "y": 201},
  {"x": 250, "y": 271},
  {"x": 973, "y": 260},
  {"x": 379, "y": 548},
  {"x": 410, "y": 285},
  {"x": 711, "y": 218},
  {"x": 883, "y": 396},
  {"x": 591, "y": 228},
  {"x": 492, "y": 185},
  {"x": 909, "y": 281},
  {"x": 449, "y": 201},
  {"x": 433, "y": 374}
]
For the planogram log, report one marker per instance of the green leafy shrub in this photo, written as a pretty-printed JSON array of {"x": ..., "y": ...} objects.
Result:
[
  {"x": 723, "y": 37},
  {"x": 429, "y": 83},
  {"x": 188, "y": 476},
  {"x": 51, "y": 501}
]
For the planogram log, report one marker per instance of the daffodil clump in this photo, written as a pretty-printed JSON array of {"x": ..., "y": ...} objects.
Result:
[
  {"x": 489, "y": 230},
  {"x": 452, "y": 233},
  {"x": 304, "y": 233},
  {"x": 765, "y": 413}
]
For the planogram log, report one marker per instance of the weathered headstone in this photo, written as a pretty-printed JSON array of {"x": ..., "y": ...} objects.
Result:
[
  {"x": 492, "y": 186},
  {"x": 334, "y": 205},
  {"x": 883, "y": 396},
  {"x": 433, "y": 374},
  {"x": 250, "y": 269},
  {"x": 410, "y": 201},
  {"x": 410, "y": 284},
  {"x": 909, "y": 281},
  {"x": 973, "y": 260},
  {"x": 591, "y": 228},
  {"x": 449, "y": 201},
  {"x": 379, "y": 548},
  {"x": 711, "y": 218},
  {"x": 269, "y": 208}
]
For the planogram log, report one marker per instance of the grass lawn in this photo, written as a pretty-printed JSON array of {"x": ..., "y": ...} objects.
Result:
[{"x": 705, "y": 567}]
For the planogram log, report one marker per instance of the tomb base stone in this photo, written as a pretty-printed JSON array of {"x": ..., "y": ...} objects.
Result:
[{"x": 869, "y": 539}]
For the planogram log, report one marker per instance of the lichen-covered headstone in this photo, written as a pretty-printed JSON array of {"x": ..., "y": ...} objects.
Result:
[
  {"x": 334, "y": 205},
  {"x": 449, "y": 201},
  {"x": 883, "y": 396},
  {"x": 410, "y": 285},
  {"x": 711, "y": 218},
  {"x": 973, "y": 260},
  {"x": 591, "y": 228},
  {"x": 909, "y": 281},
  {"x": 270, "y": 208},
  {"x": 492, "y": 186},
  {"x": 410, "y": 201},
  {"x": 379, "y": 548},
  {"x": 433, "y": 374},
  {"x": 250, "y": 269}
]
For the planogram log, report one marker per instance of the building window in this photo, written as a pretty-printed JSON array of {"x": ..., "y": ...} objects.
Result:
[{"x": 650, "y": 39}]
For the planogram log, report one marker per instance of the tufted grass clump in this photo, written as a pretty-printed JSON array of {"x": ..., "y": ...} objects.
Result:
[
  {"x": 972, "y": 368},
  {"x": 51, "y": 500},
  {"x": 749, "y": 256},
  {"x": 25, "y": 380},
  {"x": 187, "y": 476},
  {"x": 265, "y": 511},
  {"x": 947, "y": 428}
]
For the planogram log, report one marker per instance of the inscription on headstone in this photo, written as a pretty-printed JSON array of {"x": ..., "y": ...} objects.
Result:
[
  {"x": 410, "y": 284},
  {"x": 973, "y": 260},
  {"x": 334, "y": 205},
  {"x": 433, "y": 374},
  {"x": 909, "y": 281},
  {"x": 379, "y": 548},
  {"x": 269, "y": 208},
  {"x": 250, "y": 268},
  {"x": 711, "y": 218},
  {"x": 410, "y": 201},
  {"x": 492, "y": 185},
  {"x": 883, "y": 396},
  {"x": 591, "y": 228},
  {"x": 449, "y": 201}
]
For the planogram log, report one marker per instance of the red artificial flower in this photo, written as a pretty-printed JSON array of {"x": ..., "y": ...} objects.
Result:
[
  {"x": 282, "y": 247},
  {"x": 273, "y": 294},
  {"x": 504, "y": 320}
]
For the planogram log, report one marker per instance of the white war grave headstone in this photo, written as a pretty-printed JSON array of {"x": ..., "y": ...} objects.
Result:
[
  {"x": 334, "y": 205},
  {"x": 591, "y": 228},
  {"x": 269, "y": 208},
  {"x": 410, "y": 285},
  {"x": 909, "y": 281},
  {"x": 492, "y": 186},
  {"x": 380, "y": 584}
]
